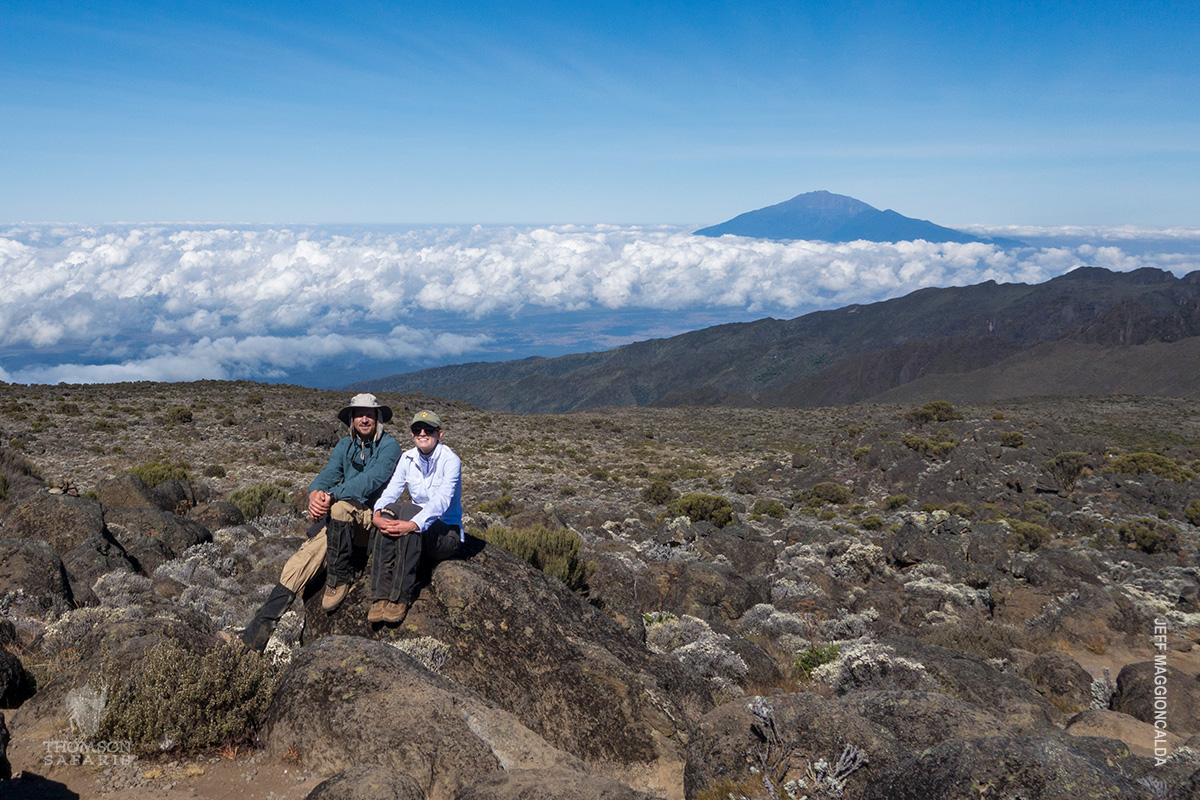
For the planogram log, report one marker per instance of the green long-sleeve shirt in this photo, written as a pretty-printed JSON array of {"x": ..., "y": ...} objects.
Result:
[{"x": 358, "y": 470}]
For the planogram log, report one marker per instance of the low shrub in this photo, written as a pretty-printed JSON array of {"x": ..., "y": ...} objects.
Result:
[
  {"x": 179, "y": 414},
  {"x": 1148, "y": 535},
  {"x": 702, "y": 508},
  {"x": 554, "y": 552},
  {"x": 872, "y": 522},
  {"x": 252, "y": 500},
  {"x": 504, "y": 505},
  {"x": 214, "y": 471},
  {"x": 658, "y": 492},
  {"x": 961, "y": 510},
  {"x": 808, "y": 660},
  {"x": 744, "y": 484},
  {"x": 153, "y": 473},
  {"x": 894, "y": 501},
  {"x": 935, "y": 411},
  {"x": 862, "y": 452},
  {"x": 179, "y": 700},
  {"x": 1012, "y": 439},
  {"x": 768, "y": 508},
  {"x": 1141, "y": 463},
  {"x": 1192, "y": 512},
  {"x": 940, "y": 444},
  {"x": 830, "y": 492},
  {"x": 1028, "y": 536}
]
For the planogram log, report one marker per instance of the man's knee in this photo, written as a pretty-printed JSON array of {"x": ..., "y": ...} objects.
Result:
[{"x": 345, "y": 511}]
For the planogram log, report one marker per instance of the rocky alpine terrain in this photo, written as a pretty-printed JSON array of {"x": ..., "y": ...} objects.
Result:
[{"x": 873, "y": 601}]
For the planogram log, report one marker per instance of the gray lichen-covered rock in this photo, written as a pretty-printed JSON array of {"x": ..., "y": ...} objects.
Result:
[
  {"x": 346, "y": 701},
  {"x": 528, "y": 644},
  {"x": 549, "y": 784},
  {"x": 33, "y": 583},
  {"x": 970, "y": 678},
  {"x": 923, "y": 719},
  {"x": 368, "y": 782},
  {"x": 732, "y": 743},
  {"x": 91, "y": 642},
  {"x": 62, "y": 520},
  {"x": 130, "y": 491},
  {"x": 177, "y": 533},
  {"x": 95, "y": 556},
  {"x": 216, "y": 515},
  {"x": 1042, "y": 767}
]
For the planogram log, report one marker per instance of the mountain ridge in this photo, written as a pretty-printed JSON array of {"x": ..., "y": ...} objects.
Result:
[{"x": 844, "y": 355}]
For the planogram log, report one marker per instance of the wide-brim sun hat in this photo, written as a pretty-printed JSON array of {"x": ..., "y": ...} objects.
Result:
[{"x": 365, "y": 400}]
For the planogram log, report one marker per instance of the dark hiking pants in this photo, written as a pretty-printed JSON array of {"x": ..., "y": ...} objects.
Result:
[{"x": 396, "y": 559}]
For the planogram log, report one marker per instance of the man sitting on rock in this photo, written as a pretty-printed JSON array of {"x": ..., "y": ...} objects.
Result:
[
  {"x": 342, "y": 495},
  {"x": 429, "y": 529}
]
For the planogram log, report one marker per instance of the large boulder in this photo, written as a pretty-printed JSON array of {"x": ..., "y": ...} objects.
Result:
[
  {"x": 33, "y": 582},
  {"x": 87, "y": 644},
  {"x": 295, "y": 431},
  {"x": 217, "y": 514},
  {"x": 97, "y": 555},
  {"x": 549, "y": 784},
  {"x": 1047, "y": 768},
  {"x": 368, "y": 782},
  {"x": 923, "y": 719},
  {"x": 746, "y": 549},
  {"x": 531, "y": 646},
  {"x": 176, "y": 533},
  {"x": 1142, "y": 737},
  {"x": 613, "y": 585},
  {"x": 714, "y": 592},
  {"x": 130, "y": 491},
  {"x": 972, "y": 679},
  {"x": 782, "y": 735},
  {"x": 63, "y": 520},
  {"x": 1062, "y": 681},
  {"x": 1147, "y": 689},
  {"x": 346, "y": 701}
]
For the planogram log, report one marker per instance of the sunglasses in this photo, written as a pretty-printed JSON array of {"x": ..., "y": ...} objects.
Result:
[{"x": 423, "y": 430}]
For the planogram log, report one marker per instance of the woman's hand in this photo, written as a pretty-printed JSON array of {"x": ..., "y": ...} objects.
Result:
[{"x": 393, "y": 527}]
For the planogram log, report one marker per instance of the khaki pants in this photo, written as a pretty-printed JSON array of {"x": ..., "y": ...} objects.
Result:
[{"x": 310, "y": 558}]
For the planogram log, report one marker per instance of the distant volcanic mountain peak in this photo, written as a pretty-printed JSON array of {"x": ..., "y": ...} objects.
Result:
[{"x": 830, "y": 217}]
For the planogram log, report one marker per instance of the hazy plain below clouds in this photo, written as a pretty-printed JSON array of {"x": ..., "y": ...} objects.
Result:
[{"x": 324, "y": 305}]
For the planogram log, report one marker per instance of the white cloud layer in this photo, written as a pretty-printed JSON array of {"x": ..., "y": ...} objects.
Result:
[{"x": 153, "y": 302}]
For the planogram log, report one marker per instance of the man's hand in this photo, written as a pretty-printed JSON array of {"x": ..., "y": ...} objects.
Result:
[
  {"x": 393, "y": 527},
  {"x": 318, "y": 504}
]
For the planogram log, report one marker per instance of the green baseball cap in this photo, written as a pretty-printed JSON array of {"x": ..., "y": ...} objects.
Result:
[{"x": 427, "y": 418}]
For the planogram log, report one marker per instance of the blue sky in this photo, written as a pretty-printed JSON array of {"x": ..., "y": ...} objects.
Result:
[{"x": 992, "y": 113}]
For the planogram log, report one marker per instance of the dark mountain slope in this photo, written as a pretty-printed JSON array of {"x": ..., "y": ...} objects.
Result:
[
  {"x": 1158, "y": 369},
  {"x": 829, "y": 217},
  {"x": 841, "y": 356}
]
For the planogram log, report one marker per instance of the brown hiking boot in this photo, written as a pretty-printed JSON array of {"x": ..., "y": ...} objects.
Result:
[
  {"x": 334, "y": 597},
  {"x": 375, "y": 614},
  {"x": 394, "y": 613}
]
